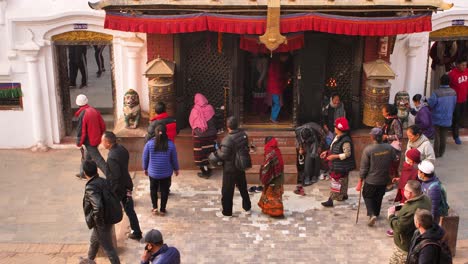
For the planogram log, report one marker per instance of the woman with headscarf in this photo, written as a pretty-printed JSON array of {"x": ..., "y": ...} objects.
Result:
[
  {"x": 272, "y": 178},
  {"x": 159, "y": 163},
  {"x": 423, "y": 116},
  {"x": 202, "y": 121}
]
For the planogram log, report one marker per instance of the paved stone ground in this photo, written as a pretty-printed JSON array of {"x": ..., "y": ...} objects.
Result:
[{"x": 42, "y": 219}]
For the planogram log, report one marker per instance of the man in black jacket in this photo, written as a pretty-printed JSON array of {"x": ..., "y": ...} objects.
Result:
[
  {"x": 119, "y": 179},
  {"x": 426, "y": 244},
  {"x": 93, "y": 208},
  {"x": 232, "y": 176}
]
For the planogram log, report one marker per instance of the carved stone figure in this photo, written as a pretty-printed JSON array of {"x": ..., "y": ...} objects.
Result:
[
  {"x": 132, "y": 110},
  {"x": 402, "y": 100}
]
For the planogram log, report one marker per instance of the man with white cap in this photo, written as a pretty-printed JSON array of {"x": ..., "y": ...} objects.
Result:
[
  {"x": 375, "y": 171},
  {"x": 90, "y": 128},
  {"x": 156, "y": 252},
  {"x": 432, "y": 187}
]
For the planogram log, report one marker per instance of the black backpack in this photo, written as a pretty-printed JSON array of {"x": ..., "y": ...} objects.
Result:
[
  {"x": 242, "y": 160},
  {"x": 445, "y": 256},
  {"x": 112, "y": 208}
]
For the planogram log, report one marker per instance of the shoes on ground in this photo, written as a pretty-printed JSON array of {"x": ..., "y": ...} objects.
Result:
[
  {"x": 83, "y": 85},
  {"x": 221, "y": 215},
  {"x": 203, "y": 175},
  {"x": 274, "y": 121},
  {"x": 299, "y": 191},
  {"x": 249, "y": 212},
  {"x": 135, "y": 236},
  {"x": 372, "y": 220},
  {"x": 328, "y": 203},
  {"x": 389, "y": 233},
  {"x": 80, "y": 177},
  {"x": 457, "y": 141},
  {"x": 345, "y": 197}
]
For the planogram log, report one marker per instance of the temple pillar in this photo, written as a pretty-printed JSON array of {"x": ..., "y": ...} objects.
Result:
[{"x": 133, "y": 47}]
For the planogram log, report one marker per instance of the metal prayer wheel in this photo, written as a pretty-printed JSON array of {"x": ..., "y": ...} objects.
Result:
[
  {"x": 161, "y": 85},
  {"x": 377, "y": 94}
]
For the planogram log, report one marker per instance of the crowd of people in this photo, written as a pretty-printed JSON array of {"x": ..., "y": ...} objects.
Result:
[{"x": 324, "y": 151}]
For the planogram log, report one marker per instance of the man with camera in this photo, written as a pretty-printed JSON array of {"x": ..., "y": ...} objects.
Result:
[{"x": 401, "y": 219}]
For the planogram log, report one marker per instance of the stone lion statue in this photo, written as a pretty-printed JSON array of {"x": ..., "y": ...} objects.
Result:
[{"x": 132, "y": 110}]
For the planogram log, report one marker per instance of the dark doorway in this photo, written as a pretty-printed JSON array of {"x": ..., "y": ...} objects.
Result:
[
  {"x": 330, "y": 64},
  {"x": 256, "y": 98},
  {"x": 95, "y": 80}
]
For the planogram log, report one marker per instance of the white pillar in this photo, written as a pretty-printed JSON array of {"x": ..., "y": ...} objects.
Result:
[
  {"x": 134, "y": 74},
  {"x": 415, "y": 42},
  {"x": 36, "y": 100},
  {"x": 3, "y": 4}
]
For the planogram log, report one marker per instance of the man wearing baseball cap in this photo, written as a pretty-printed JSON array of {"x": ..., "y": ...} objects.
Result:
[
  {"x": 90, "y": 128},
  {"x": 156, "y": 252},
  {"x": 375, "y": 167}
]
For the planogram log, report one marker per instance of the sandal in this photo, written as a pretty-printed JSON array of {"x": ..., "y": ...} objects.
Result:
[
  {"x": 154, "y": 211},
  {"x": 161, "y": 213}
]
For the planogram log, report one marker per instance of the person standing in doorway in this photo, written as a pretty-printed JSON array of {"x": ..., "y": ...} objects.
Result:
[
  {"x": 333, "y": 110},
  {"x": 77, "y": 61},
  {"x": 120, "y": 181},
  {"x": 277, "y": 81},
  {"x": 162, "y": 118},
  {"x": 375, "y": 165},
  {"x": 95, "y": 214},
  {"x": 203, "y": 124},
  {"x": 90, "y": 128},
  {"x": 442, "y": 103},
  {"x": 459, "y": 82},
  {"x": 342, "y": 161},
  {"x": 232, "y": 176},
  {"x": 98, "y": 49}
]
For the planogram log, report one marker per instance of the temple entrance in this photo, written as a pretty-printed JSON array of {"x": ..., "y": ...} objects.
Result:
[
  {"x": 83, "y": 63},
  {"x": 261, "y": 71}
]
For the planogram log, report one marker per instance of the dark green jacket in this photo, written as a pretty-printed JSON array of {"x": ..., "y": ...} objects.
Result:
[{"x": 403, "y": 223}]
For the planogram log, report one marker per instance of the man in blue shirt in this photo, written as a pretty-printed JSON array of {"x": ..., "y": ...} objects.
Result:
[{"x": 442, "y": 103}]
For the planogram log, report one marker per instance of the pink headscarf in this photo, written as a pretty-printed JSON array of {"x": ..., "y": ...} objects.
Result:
[{"x": 201, "y": 113}]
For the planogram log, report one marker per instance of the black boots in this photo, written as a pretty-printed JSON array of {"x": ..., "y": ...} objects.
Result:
[
  {"x": 205, "y": 172},
  {"x": 328, "y": 203}
]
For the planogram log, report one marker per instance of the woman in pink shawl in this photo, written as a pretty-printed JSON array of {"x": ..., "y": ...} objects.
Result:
[{"x": 202, "y": 121}]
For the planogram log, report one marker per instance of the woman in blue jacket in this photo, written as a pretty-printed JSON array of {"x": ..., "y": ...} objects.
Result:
[{"x": 159, "y": 162}]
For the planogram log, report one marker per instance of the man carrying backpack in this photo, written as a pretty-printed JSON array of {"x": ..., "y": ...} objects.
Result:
[
  {"x": 98, "y": 214},
  {"x": 432, "y": 187},
  {"x": 426, "y": 245},
  {"x": 234, "y": 152}
]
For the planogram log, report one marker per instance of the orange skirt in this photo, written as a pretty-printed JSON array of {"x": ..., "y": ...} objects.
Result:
[{"x": 271, "y": 200}]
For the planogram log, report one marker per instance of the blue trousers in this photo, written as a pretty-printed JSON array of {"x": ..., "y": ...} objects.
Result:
[{"x": 275, "y": 107}]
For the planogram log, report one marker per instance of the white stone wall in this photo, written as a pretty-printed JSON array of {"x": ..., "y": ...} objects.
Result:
[{"x": 26, "y": 56}]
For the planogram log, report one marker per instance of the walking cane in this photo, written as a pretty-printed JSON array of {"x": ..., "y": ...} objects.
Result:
[{"x": 359, "y": 203}]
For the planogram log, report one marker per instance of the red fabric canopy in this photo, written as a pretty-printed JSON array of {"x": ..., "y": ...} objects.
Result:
[
  {"x": 252, "y": 44},
  {"x": 345, "y": 25}
]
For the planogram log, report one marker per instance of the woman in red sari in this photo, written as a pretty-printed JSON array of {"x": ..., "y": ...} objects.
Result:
[{"x": 272, "y": 178}]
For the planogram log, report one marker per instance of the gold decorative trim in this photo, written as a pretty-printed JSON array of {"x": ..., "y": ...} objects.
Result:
[
  {"x": 72, "y": 37},
  {"x": 450, "y": 33},
  {"x": 272, "y": 37}
]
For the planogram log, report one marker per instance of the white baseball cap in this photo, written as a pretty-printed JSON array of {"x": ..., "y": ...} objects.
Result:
[
  {"x": 426, "y": 167},
  {"x": 81, "y": 100}
]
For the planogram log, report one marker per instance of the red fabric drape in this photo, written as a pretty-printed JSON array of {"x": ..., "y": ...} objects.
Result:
[
  {"x": 251, "y": 44},
  {"x": 156, "y": 24},
  {"x": 345, "y": 25}
]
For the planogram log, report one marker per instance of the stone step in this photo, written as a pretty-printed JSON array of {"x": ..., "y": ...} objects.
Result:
[{"x": 290, "y": 174}]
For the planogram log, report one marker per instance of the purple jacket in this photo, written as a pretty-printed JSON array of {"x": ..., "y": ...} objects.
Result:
[
  {"x": 432, "y": 189},
  {"x": 423, "y": 118}
]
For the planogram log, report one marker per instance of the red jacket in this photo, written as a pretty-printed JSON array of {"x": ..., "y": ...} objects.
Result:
[
  {"x": 170, "y": 123},
  {"x": 459, "y": 82},
  {"x": 91, "y": 126},
  {"x": 408, "y": 172},
  {"x": 277, "y": 78}
]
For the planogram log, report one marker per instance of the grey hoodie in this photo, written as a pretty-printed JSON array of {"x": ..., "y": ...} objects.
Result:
[{"x": 424, "y": 146}]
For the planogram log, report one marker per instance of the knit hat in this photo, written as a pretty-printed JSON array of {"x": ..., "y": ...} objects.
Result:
[
  {"x": 342, "y": 124},
  {"x": 81, "y": 100},
  {"x": 414, "y": 155},
  {"x": 376, "y": 131},
  {"x": 153, "y": 237},
  {"x": 426, "y": 167}
]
